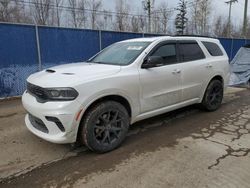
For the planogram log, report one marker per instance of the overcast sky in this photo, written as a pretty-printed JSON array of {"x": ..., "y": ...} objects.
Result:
[{"x": 219, "y": 7}]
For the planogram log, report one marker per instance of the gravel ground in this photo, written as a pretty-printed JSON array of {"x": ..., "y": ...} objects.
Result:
[{"x": 184, "y": 148}]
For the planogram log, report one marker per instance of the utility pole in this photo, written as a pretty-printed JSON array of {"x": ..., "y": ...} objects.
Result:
[
  {"x": 244, "y": 30},
  {"x": 148, "y": 5},
  {"x": 230, "y": 2}
]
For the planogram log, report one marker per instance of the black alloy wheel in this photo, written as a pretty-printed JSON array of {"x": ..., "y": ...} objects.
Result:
[
  {"x": 213, "y": 96},
  {"x": 105, "y": 126},
  {"x": 108, "y": 127}
]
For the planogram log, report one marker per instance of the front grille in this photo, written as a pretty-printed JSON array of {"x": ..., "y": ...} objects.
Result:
[
  {"x": 38, "y": 124},
  {"x": 36, "y": 91}
]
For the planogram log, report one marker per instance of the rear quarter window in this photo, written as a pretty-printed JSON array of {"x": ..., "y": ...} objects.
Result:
[{"x": 213, "y": 48}]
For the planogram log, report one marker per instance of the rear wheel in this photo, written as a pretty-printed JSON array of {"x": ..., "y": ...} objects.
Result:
[
  {"x": 213, "y": 96},
  {"x": 105, "y": 126}
]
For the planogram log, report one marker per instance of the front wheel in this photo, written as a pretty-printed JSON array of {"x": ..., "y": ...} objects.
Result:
[
  {"x": 105, "y": 126},
  {"x": 213, "y": 96}
]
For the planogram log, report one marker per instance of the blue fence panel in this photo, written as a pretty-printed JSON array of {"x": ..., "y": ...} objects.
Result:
[
  {"x": 226, "y": 43},
  {"x": 61, "y": 45},
  {"x": 110, "y": 37},
  {"x": 237, "y": 44},
  {"x": 18, "y": 58}
]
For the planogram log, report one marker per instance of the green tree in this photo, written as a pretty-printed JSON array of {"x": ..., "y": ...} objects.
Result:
[{"x": 181, "y": 19}]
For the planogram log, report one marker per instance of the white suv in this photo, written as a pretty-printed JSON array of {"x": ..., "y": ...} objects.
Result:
[{"x": 94, "y": 102}]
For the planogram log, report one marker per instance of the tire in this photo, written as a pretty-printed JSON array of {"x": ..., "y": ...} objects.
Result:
[
  {"x": 213, "y": 96},
  {"x": 104, "y": 126}
]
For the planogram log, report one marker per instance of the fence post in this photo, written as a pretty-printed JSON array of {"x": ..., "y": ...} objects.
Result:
[
  {"x": 245, "y": 40},
  {"x": 100, "y": 39},
  {"x": 143, "y": 35},
  {"x": 38, "y": 49},
  {"x": 232, "y": 45}
]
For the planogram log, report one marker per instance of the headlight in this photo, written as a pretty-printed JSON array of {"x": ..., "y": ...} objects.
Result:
[{"x": 61, "y": 93}]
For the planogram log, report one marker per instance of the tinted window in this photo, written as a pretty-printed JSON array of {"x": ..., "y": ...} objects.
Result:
[
  {"x": 190, "y": 52},
  {"x": 167, "y": 52},
  {"x": 213, "y": 49}
]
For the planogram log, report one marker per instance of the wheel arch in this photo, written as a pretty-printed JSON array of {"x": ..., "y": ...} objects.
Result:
[
  {"x": 215, "y": 77},
  {"x": 117, "y": 98},
  {"x": 204, "y": 104}
]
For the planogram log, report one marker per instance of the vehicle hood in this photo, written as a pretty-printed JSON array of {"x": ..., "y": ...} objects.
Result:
[{"x": 69, "y": 75}]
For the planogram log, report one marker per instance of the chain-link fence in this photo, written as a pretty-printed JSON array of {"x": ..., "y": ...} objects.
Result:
[{"x": 25, "y": 49}]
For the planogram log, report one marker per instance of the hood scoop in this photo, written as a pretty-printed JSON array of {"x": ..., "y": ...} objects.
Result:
[
  {"x": 50, "y": 71},
  {"x": 68, "y": 73},
  {"x": 53, "y": 71}
]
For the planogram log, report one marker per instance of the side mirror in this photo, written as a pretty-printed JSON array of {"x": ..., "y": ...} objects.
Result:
[{"x": 152, "y": 61}]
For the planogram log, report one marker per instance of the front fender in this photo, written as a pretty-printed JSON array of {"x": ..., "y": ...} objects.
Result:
[{"x": 134, "y": 103}]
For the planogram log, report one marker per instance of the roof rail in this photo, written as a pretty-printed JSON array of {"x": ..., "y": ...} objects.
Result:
[{"x": 194, "y": 36}]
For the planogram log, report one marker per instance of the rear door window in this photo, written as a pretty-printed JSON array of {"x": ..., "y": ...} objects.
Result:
[
  {"x": 213, "y": 48},
  {"x": 190, "y": 51}
]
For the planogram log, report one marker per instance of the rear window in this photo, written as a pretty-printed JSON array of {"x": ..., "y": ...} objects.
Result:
[
  {"x": 213, "y": 49},
  {"x": 190, "y": 51}
]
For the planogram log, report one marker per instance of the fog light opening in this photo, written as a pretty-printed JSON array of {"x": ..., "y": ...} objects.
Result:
[{"x": 57, "y": 122}]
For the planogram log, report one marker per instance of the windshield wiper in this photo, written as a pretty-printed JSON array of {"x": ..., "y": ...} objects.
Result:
[
  {"x": 99, "y": 62},
  {"x": 102, "y": 62}
]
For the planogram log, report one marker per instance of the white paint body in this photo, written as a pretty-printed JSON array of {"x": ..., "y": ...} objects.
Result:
[{"x": 149, "y": 92}]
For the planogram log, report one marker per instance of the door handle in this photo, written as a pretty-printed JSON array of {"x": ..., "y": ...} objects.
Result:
[
  {"x": 176, "y": 71},
  {"x": 209, "y": 65}
]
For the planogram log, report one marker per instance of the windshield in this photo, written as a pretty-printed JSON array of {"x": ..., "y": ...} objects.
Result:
[{"x": 122, "y": 53}]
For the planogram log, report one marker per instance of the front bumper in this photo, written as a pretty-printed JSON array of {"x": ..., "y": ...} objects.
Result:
[{"x": 37, "y": 120}]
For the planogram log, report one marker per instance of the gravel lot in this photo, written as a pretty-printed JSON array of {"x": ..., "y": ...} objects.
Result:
[{"x": 184, "y": 148}]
